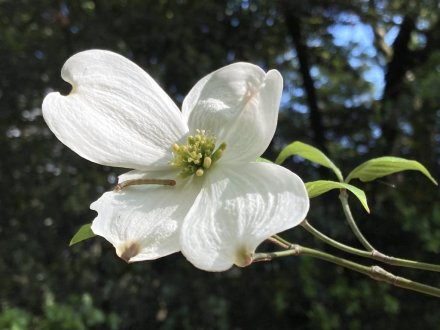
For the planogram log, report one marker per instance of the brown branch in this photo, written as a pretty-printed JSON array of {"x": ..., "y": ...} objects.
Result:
[
  {"x": 379, "y": 41},
  {"x": 397, "y": 68},
  {"x": 401, "y": 60},
  {"x": 375, "y": 272},
  {"x": 294, "y": 27},
  {"x": 379, "y": 32}
]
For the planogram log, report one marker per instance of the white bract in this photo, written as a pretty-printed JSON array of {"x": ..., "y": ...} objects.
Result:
[{"x": 223, "y": 203}]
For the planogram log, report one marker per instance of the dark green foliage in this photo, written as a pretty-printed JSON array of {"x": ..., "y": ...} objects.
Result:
[{"x": 46, "y": 188}]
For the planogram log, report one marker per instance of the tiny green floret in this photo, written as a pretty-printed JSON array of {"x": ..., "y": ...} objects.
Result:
[{"x": 197, "y": 155}]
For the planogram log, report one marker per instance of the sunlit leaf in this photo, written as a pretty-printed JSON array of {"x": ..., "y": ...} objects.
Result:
[
  {"x": 263, "y": 160},
  {"x": 316, "y": 188},
  {"x": 308, "y": 152},
  {"x": 85, "y": 232},
  {"x": 382, "y": 166}
]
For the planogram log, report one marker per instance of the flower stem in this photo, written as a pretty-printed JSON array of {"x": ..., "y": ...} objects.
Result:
[
  {"x": 137, "y": 182},
  {"x": 343, "y": 197},
  {"x": 280, "y": 241},
  {"x": 376, "y": 255},
  {"x": 375, "y": 272}
]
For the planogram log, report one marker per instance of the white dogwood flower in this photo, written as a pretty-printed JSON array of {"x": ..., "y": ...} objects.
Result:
[{"x": 213, "y": 201}]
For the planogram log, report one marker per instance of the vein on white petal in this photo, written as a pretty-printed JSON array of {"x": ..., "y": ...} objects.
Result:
[
  {"x": 116, "y": 114},
  {"x": 238, "y": 208},
  {"x": 238, "y": 104}
]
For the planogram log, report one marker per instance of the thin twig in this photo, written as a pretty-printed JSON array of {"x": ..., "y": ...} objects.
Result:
[
  {"x": 375, "y": 272},
  {"x": 376, "y": 255}
]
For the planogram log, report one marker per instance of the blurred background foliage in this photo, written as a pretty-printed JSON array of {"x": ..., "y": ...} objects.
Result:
[{"x": 361, "y": 80}]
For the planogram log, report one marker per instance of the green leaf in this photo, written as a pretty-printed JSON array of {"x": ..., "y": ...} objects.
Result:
[
  {"x": 382, "y": 166},
  {"x": 263, "y": 160},
  {"x": 316, "y": 188},
  {"x": 308, "y": 152},
  {"x": 85, "y": 232}
]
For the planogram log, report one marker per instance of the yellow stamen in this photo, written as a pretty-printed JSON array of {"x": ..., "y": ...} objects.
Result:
[
  {"x": 207, "y": 162},
  {"x": 197, "y": 155},
  {"x": 176, "y": 147}
]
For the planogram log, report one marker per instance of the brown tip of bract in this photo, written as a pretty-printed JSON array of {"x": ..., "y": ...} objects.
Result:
[
  {"x": 128, "y": 250},
  {"x": 243, "y": 257},
  {"x": 117, "y": 188}
]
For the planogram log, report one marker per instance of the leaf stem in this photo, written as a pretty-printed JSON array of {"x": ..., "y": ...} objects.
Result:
[
  {"x": 315, "y": 232},
  {"x": 343, "y": 197},
  {"x": 375, "y": 272},
  {"x": 375, "y": 255}
]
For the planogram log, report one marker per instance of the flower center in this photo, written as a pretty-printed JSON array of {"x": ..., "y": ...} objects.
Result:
[{"x": 197, "y": 155}]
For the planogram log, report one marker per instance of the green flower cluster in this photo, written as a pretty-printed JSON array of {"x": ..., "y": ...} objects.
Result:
[{"x": 197, "y": 155}]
